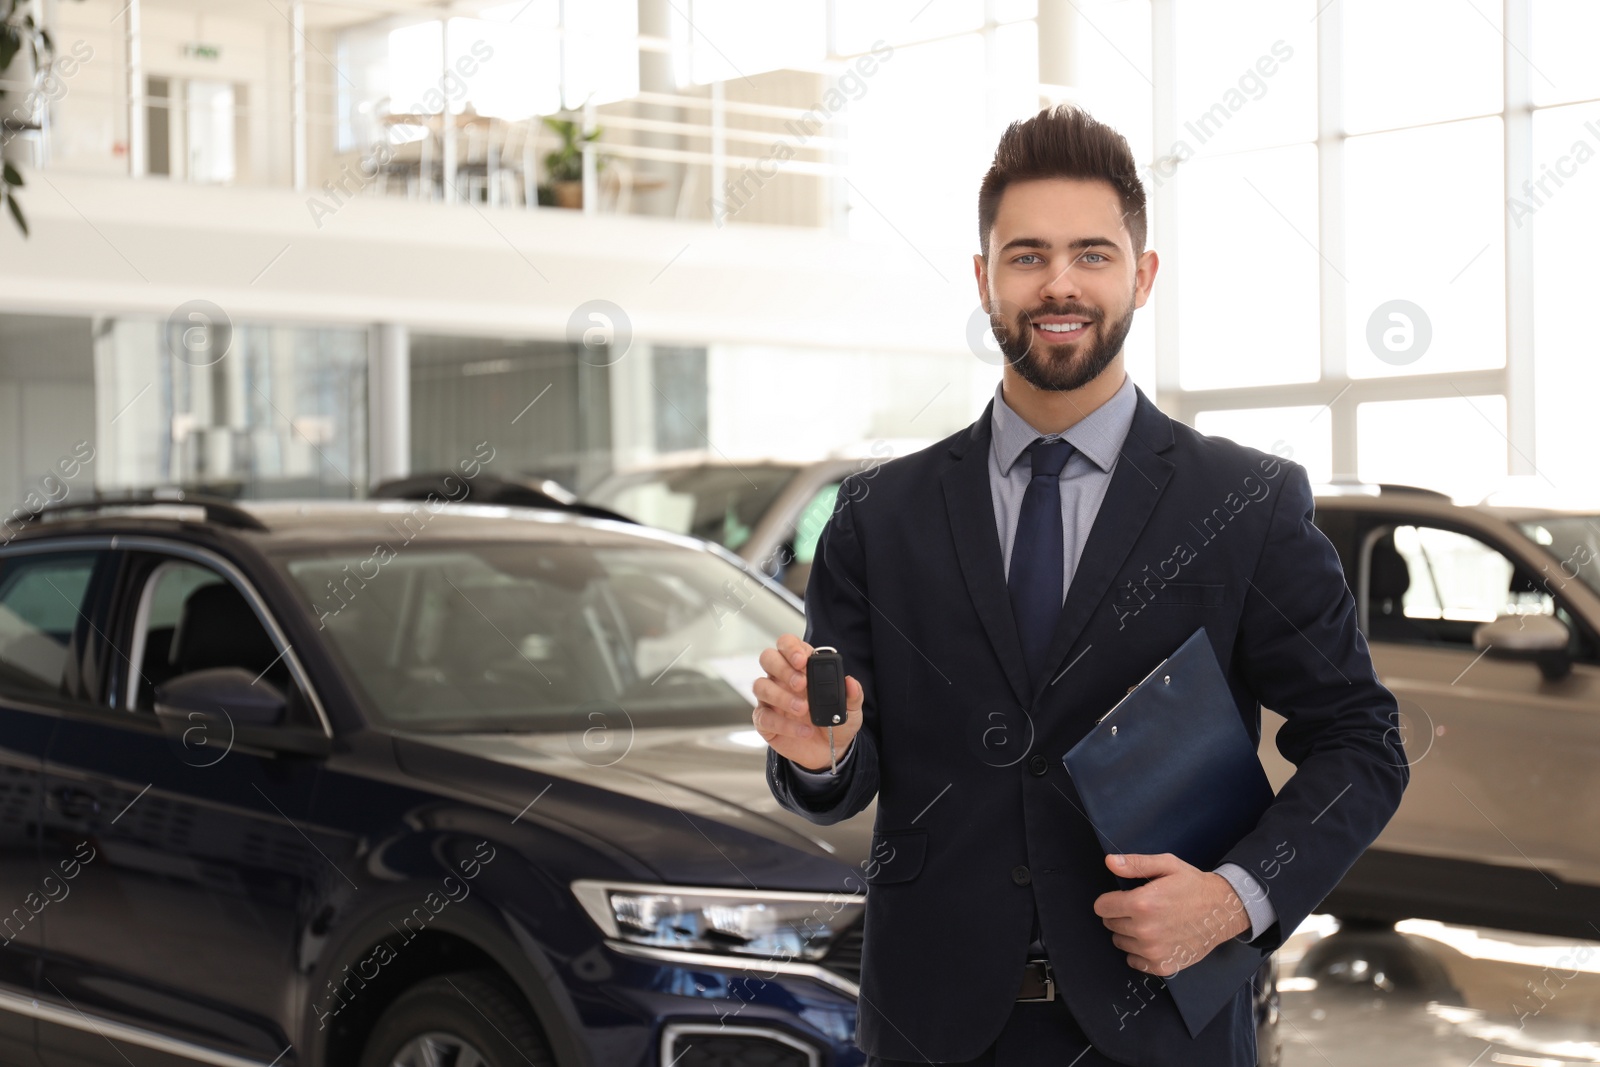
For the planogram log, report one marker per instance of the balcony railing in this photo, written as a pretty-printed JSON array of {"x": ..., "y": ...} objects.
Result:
[{"x": 301, "y": 104}]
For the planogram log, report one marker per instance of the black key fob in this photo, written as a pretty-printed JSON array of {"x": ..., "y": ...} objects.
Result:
[{"x": 825, "y": 687}]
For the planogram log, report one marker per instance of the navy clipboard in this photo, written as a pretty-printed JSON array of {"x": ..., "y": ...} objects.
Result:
[{"x": 1170, "y": 768}]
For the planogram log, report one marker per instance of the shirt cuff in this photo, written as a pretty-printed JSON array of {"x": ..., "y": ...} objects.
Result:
[
  {"x": 1254, "y": 895},
  {"x": 817, "y": 782}
]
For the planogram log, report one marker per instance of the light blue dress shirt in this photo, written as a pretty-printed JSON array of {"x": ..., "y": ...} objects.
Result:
[{"x": 1096, "y": 441}]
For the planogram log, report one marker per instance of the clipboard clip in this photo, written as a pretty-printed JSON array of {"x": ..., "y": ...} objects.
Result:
[{"x": 1129, "y": 693}]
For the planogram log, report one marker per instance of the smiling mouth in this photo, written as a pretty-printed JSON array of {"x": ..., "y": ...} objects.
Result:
[{"x": 1058, "y": 332}]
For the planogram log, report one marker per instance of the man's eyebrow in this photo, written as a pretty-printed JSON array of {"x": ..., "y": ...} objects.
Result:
[{"x": 1076, "y": 245}]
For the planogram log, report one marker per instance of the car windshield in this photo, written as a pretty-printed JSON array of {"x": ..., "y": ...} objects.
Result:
[
  {"x": 1574, "y": 541},
  {"x": 713, "y": 502},
  {"x": 543, "y": 636}
]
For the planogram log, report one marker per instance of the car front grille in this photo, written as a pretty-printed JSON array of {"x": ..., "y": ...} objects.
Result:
[
  {"x": 715, "y": 1046},
  {"x": 844, "y": 959}
]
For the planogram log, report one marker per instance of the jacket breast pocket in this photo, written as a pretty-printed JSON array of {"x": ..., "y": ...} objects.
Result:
[
  {"x": 897, "y": 856},
  {"x": 1152, "y": 594}
]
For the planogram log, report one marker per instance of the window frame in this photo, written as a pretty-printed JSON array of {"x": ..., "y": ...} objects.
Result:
[
  {"x": 147, "y": 557},
  {"x": 1335, "y": 388}
]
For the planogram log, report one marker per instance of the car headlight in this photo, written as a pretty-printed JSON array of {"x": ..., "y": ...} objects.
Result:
[{"x": 764, "y": 924}]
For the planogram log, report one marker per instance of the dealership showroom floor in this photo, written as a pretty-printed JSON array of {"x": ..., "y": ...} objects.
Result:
[{"x": 1470, "y": 996}]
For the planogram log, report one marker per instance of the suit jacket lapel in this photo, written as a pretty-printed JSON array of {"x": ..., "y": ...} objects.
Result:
[
  {"x": 969, "y": 501},
  {"x": 1137, "y": 481}
]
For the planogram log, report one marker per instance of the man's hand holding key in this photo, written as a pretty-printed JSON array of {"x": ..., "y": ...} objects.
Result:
[{"x": 783, "y": 716}]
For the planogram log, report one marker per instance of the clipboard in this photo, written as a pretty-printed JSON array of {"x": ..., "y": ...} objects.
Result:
[{"x": 1170, "y": 768}]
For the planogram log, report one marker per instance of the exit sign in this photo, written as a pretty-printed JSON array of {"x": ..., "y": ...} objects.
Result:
[{"x": 196, "y": 50}]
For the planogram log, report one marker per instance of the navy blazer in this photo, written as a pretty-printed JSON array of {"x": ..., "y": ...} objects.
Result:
[{"x": 976, "y": 817}]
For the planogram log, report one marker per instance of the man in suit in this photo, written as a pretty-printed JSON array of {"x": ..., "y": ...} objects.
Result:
[{"x": 994, "y": 594}]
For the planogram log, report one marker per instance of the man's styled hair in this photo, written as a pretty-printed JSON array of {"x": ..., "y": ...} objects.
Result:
[{"x": 1063, "y": 142}]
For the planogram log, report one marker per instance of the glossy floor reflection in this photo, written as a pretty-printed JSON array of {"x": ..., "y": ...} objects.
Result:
[{"x": 1427, "y": 994}]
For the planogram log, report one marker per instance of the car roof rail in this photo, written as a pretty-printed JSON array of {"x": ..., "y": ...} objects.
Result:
[
  {"x": 1382, "y": 488},
  {"x": 522, "y": 491},
  {"x": 218, "y": 511},
  {"x": 1391, "y": 487}
]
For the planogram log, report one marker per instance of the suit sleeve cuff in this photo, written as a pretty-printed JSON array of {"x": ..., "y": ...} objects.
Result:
[
  {"x": 1254, "y": 896},
  {"x": 816, "y": 782}
]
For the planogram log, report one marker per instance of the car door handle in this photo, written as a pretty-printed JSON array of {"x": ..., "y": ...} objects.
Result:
[{"x": 72, "y": 802}]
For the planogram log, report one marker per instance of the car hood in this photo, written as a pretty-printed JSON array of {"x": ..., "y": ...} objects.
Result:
[{"x": 690, "y": 803}]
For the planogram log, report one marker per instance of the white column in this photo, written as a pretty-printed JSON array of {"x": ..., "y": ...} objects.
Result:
[
  {"x": 138, "y": 165},
  {"x": 633, "y": 406},
  {"x": 1058, "y": 36},
  {"x": 389, "y": 403},
  {"x": 1520, "y": 436},
  {"x": 1330, "y": 241},
  {"x": 447, "y": 126},
  {"x": 1162, "y": 202},
  {"x": 297, "y": 54}
]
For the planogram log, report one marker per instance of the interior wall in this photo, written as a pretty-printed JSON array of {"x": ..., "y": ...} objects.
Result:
[{"x": 46, "y": 408}]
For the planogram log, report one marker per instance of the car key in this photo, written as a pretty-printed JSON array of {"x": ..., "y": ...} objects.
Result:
[{"x": 825, "y": 694}]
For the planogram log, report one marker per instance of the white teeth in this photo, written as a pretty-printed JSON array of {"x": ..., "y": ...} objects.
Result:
[{"x": 1060, "y": 327}]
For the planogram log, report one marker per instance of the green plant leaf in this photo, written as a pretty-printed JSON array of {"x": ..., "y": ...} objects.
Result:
[
  {"x": 12, "y": 177},
  {"x": 16, "y": 213}
]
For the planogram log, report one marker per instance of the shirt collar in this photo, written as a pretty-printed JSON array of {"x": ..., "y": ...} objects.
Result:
[{"x": 1098, "y": 435}]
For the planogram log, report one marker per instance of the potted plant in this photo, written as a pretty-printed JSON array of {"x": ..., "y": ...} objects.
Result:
[
  {"x": 564, "y": 166},
  {"x": 19, "y": 36}
]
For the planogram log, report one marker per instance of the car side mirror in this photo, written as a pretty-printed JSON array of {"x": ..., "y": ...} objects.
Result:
[
  {"x": 1541, "y": 638},
  {"x": 211, "y": 711}
]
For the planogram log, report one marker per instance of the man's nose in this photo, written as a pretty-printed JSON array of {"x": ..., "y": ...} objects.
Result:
[{"x": 1063, "y": 283}]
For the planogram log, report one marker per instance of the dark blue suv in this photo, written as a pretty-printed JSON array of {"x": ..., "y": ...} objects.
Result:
[{"x": 403, "y": 783}]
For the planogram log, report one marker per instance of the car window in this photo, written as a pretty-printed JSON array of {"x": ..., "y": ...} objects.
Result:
[
  {"x": 42, "y": 597},
  {"x": 1428, "y": 585},
  {"x": 721, "y": 503},
  {"x": 1573, "y": 542},
  {"x": 530, "y": 636},
  {"x": 191, "y": 618},
  {"x": 815, "y": 516}
]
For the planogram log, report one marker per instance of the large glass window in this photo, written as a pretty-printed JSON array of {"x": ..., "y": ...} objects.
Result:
[
  {"x": 1443, "y": 252},
  {"x": 1303, "y": 434},
  {"x": 1245, "y": 89},
  {"x": 1453, "y": 444},
  {"x": 1561, "y": 206},
  {"x": 1392, "y": 79},
  {"x": 1564, "y": 35},
  {"x": 240, "y": 409},
  {"x": 1255, "y": 213}
]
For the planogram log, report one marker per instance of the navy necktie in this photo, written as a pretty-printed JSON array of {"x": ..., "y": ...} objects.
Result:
[{"x": 1035, "y": 576}]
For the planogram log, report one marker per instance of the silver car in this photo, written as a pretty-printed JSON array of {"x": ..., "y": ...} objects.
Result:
[{"x": 1484, "y": 621}]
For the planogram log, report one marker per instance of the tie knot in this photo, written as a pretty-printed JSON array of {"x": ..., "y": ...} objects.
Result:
[{"x": 1049, "y": 456}]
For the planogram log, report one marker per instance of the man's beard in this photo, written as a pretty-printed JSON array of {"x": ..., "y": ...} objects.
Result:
[{"x": 1041, "y": 366}]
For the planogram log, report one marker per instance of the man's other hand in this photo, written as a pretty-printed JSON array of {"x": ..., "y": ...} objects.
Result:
[
  {"x": 1174, "y": 919},
  {"x": 783, "y": 717}
]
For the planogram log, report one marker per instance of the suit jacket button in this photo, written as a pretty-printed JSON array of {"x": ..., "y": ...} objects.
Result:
[
  {"x": 1039, "y": 765},
  {"x": 1020, "y": 875}
]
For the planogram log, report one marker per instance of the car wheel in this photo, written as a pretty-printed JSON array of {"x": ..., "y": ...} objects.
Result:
[{"x": 465, "y": 1019}]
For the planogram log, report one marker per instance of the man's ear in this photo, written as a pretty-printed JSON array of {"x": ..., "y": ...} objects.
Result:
[{"x": 980, "y": 272}]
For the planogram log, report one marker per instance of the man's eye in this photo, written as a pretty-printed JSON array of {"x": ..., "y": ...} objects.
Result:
[
  {"x": 1025, "y": 255},
  {"x": 1086, "y": 255}
]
